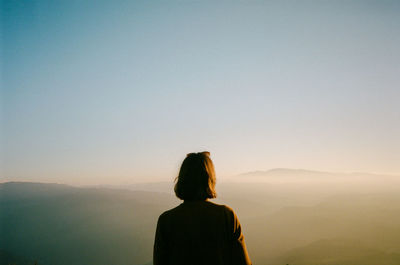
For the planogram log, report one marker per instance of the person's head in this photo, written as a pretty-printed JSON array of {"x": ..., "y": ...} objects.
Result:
[{"x": 196, "y": 179}]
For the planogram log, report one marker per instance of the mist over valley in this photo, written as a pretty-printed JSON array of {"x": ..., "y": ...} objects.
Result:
[{"x": 288, "y": 217}]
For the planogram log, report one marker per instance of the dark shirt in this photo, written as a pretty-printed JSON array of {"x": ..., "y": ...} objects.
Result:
[{"x": 199, "y": 233}]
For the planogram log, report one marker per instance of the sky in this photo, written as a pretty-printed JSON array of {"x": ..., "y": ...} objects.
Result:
[{"x": 117, "y": 92}]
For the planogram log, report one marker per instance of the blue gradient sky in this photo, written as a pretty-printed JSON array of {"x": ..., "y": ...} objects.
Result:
[{"x": 100, "y": 92}]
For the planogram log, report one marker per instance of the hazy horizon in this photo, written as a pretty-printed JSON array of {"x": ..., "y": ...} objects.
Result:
[
  {"x": 304, "y": 223},
  {"x": 120, "y": 91},
  {"x": 272, "y": 176}
]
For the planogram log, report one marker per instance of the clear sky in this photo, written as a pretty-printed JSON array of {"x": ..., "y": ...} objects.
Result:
[{"x": 98, "y": 92}]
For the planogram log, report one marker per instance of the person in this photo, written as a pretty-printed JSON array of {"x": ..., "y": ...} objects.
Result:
[{"x": 198, "y": 231}]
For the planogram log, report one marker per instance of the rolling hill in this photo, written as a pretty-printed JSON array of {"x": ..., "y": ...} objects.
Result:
[
  {"x": 284, "y": 223},
  {"x": 58, "y": 224}
]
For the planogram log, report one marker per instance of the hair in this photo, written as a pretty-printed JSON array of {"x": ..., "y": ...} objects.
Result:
[{"x": 196, "y": 179}]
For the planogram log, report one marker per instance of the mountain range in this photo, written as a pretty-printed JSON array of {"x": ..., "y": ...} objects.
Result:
[{"x": 307, "y": 223}]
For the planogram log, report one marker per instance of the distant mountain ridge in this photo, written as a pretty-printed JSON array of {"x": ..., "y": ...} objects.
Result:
[
  {"x": 284, "y": 171},
  {"x": 293, "y": 223},
  {"x": 79, "y": 225},
  {"x": 288, "y": 174}
]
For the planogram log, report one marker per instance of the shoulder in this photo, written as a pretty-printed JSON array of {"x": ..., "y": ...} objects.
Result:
[
  {"x": 167, "y": 214},
  {"x": 228, "y": 211},
  {"x": 219, "y": 206}
]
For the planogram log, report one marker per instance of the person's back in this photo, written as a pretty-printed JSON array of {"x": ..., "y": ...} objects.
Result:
[{"x": 198, "y": 232}]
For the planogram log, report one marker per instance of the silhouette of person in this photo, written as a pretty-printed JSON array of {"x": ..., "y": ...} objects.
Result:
[{"x": 199, "y": 232}]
